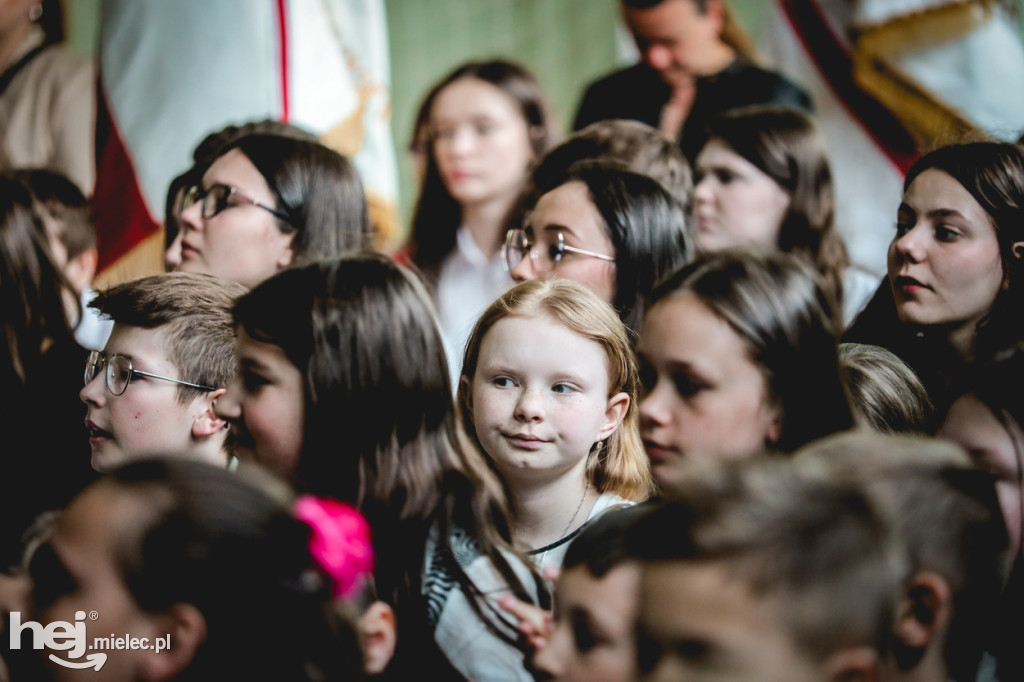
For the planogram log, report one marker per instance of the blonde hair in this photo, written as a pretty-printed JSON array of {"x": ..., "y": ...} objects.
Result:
[{"x": 618, "y": 464}]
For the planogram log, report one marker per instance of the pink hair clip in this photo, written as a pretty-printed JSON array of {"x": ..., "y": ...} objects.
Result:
[{"x": 340, "y": 542}]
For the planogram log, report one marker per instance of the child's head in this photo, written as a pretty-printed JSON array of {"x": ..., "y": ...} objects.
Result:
[
  {"x": 213, "y": 559},
  {"x": 488, "y": 121},
  {"x": 614, "y": 230},
  {"x": 947, "y": 515},
  {"x": 636, "y": 145},
  {"x": 885, "y": 394},
  {"x": 738, "y": 353},
  {"x": 349, "y": 352},
  {"x": 593, "y": 636},
  {"x": 169, "y": 357},
  {"x": 549, "y": 384},
  {"x": 760, "y": 571}
]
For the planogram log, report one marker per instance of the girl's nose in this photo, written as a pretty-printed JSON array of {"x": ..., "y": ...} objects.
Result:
[
  {"x": 94, "y": 393},
  {"x": 227, "y": 406},
  {"x": 529, "y": 407},
  {"x": 910, "y": 245}
]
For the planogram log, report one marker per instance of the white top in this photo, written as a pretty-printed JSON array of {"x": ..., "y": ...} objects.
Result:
[
  {"x": 859, "y": 286},
  {"x": 468, "y": 282},
  {"x": 93, "y": 328},
  {"x": 552, "y": 555},
  {"x": 469, "y": 644}
]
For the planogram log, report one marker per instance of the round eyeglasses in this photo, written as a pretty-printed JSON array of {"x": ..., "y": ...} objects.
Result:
[
  {"x": 120, "y": 372},
  {"x": 215, "y": 200},
  {"x": 518, "y": 245}
]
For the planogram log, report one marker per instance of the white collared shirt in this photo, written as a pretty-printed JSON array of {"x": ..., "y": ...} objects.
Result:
[{"x": 467, "y": 284}]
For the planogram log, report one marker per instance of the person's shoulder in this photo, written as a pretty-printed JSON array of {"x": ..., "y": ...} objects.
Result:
[
  {"x": 767, "y": 86},
  {"x": 625, "y": 93}
]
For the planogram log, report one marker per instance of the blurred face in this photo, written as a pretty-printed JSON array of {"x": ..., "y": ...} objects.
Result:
[
  {"x": 699, "y": 623},
  {"x": 242, "y": 243},
  {"x": 944, "y": 263},
  {"x": 481, "y": 142},
  {"x": 593, "y": 639},
  {"x": 540, "y": 398},
  {"x": 77, "y": 569},
  {"x": 676, "y": 39},
  {"x": 701, "y": 392},
  {"x": 993, "y": 447},
  {"x": 735, "y": 203},
  {"x": 568, "y": 210},
  {"x": 147, "y": 419},
  {"x": 266, "y": 405}
]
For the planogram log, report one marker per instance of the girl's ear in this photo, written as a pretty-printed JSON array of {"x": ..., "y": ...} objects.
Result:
[
  {"x": 184, "y": 626},
  {"x": 773, "y": 434},
  {"x": 207, "y": 423},
  {"x": 618, "y": 405},
  {"x": 467, "y": 387}
]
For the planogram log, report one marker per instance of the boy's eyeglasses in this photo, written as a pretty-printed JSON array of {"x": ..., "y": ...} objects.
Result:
[
  {"x": 518, "y": 246},
  {"x": 215, "y": 200},
  {"x": 120, "y": 372}
]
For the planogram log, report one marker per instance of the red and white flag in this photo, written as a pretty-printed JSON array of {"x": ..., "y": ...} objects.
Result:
[
  {"x": 173, "y": 72},
  {"x": 888, "y": 79}
]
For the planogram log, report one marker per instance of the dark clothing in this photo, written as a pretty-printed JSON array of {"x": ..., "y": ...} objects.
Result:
[
  {"x": 638, "y": 93},
  {"x": 47, "y": 455},
  {"x": 941, "y": 371}
]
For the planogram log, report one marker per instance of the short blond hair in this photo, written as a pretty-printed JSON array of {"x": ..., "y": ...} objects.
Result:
[{"x": 620, "y": 466}]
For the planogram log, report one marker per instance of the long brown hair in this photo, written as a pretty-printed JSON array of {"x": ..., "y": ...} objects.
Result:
[
  {"x": 438, "y": 215},
  {"x": 788, "y": 147}
]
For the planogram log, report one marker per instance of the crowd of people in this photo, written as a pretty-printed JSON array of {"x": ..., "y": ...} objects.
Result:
[{"x": 620, "y": 408}]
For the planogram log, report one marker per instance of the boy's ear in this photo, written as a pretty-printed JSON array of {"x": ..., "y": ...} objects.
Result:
[
  {"x": 207, "y": 423},
  {"x": 377, "y": 635},
  {"x": 856, "y": 664},
  {"x": 184, "y": 626},
  {"x": 924, "y": 610},
  {"x": 618, "y": 405}
]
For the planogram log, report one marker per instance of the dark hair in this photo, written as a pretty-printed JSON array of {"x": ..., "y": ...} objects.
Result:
[
  {"x": 317, "y": 188},
  {"x": 209, "y": 149},
  {"x": 65, "y": 204},
  {"x": 816, "y": 545},
  {"x": 776, "y": 304},
  {"x": 438, "y": 215},
  {"x": 646, "y": 225},
  {"x": 993, "y": 174},
  {"x": 362, "y": 332},
  {"x": 230, "y": 546},
  {"x": 635, "y": 145},
  {"x": 787, "y": 146},
  {"x": 194, "y": 311},
  {"x": 31, "y": 286}
]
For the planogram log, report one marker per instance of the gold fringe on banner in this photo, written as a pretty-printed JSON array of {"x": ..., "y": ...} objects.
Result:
[{"x": 927, "y": 118}]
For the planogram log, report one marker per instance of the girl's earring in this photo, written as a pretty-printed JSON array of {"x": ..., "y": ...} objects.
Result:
[{"x": 35, "y": 11}]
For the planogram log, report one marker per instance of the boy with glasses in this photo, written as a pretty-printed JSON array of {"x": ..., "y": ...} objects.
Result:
[{"x": 170, "y": 355}]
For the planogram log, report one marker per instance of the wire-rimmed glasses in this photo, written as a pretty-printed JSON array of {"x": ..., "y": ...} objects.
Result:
[
  {"x": 120, "y": 372},
  {"x": 518, "y": 245}
]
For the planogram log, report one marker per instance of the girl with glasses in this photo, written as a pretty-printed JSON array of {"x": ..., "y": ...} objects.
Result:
[
  {"x": 343, "y": 389},
  {"x": 486, "y": 123},
  {"x": 265, "y": 202},
  {"x": 614, "y": 231},
  {"x": 549, "y": 390}
]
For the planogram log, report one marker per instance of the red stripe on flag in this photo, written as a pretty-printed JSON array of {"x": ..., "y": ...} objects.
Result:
[
  {"x": 836, "y": 68},
  {"x": 121, "y": 217},
  {"x": 282, "y": 31}
]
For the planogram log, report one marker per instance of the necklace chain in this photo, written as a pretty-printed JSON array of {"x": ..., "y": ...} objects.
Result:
[{"x": 579, "y": 506}]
